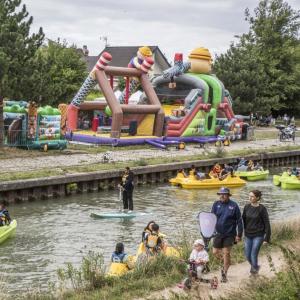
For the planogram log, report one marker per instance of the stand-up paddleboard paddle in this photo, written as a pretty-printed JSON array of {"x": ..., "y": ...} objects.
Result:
[
  {"x": 117, "y": 214},
  {"x": 207, "y": 224}
]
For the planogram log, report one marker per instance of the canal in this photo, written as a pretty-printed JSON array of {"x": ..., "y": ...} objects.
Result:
[{"x": 53, "y": 232}]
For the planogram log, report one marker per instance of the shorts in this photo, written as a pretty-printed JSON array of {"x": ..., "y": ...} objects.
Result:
[{"x": 220, "y": 241}]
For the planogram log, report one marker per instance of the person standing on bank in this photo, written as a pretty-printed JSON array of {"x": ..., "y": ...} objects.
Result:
[
  {"x": 228, "y": 219},
  {"x": 257, "y": 229},
  {"x": 127, "y": 186}
]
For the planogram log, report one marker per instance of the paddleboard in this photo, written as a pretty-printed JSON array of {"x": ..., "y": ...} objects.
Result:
[{"x": 109, "y": 215}]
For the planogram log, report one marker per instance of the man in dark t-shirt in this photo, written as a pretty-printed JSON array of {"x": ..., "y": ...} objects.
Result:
[{"x": 228, "y": 219}]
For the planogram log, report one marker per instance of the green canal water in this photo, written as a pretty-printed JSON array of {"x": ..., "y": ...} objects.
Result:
[{"x": 53, "y": 232}]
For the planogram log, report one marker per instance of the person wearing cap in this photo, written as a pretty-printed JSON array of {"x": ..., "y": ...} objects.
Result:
[
  {"x": 199, "y": 257},
  {"x": 229, "y": 219}
]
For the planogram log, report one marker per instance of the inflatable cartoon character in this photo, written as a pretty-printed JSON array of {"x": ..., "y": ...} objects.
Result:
[
  {"x": 143, "y": 53},
  {"x": 201, "y": 61}
]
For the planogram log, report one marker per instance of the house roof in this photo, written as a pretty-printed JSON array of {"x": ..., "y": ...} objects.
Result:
[{"x": 121, "y": 56}]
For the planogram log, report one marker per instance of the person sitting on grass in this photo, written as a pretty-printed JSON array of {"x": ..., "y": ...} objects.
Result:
[
  {"x": 198, "y": 258},
  {"x": 153, "y": 242},
  {"x": 5, "y": 218}
]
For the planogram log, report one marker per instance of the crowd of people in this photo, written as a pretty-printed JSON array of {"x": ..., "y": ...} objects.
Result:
[
  {"x": 221, "y": 171},
  {"x": 269, "y": 120},
  {"x": 253, "y": 222}
]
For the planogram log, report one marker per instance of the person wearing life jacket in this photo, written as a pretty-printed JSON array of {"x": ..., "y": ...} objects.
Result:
[
  {"x": 119, "y": 256},
  {"x": 216, "y": 171},
  {"x": 153, "y": 241},
  {"x": 5, "y": 218},
  {"x": 147, "y": 230}
]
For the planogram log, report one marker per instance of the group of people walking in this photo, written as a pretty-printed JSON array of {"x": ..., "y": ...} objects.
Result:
[{"x": 231, "y": 224}]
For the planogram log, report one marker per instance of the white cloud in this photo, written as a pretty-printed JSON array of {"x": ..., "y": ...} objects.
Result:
[{"x": 173, "y": 25}]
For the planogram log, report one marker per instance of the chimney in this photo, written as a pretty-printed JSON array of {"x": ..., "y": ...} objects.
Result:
[{"x": 85, "y": 50}]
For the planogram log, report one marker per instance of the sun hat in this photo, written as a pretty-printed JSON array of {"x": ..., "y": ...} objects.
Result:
[
  {"x": 224, "y": 191},
  {"x": 199, "y": 242}
]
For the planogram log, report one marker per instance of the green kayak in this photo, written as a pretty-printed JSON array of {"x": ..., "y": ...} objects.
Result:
[
  {"x": 287, "y": 182},
  {"x": 253, "y": 175},
  {"x": 8, "y": 231}
]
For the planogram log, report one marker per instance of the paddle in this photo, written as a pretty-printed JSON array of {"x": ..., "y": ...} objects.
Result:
[{"x": 120, "y": 197}]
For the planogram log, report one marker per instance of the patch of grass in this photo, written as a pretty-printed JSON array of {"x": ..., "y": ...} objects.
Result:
[
  {"x": 285, "y": 285},
  {"x": 89, "y": 283},
  {"x": 85, "y": 168}
]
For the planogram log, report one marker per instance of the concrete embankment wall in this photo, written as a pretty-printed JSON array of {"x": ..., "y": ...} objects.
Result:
[{"x": 60, "y": 186}]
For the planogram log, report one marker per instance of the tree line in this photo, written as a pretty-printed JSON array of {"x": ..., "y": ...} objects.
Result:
[{"x": 262, "y": 69}]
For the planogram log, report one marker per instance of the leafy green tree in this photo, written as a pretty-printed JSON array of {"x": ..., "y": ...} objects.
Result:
[
  {"x": 58, "y": 73},
  {"x": 265, "y": 60},
  {"x": 17, "y": 49}
]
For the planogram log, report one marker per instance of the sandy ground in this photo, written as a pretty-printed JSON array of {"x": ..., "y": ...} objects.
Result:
[
  {"x": 66, "y": 160},
  {"x": 238, "y": 277}
]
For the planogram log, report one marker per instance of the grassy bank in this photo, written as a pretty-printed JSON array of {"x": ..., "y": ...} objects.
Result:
[
  {"x": 285, "y": 284},
  {"x": 88, "y": 283},
  {"x": 46, "y": 172}
]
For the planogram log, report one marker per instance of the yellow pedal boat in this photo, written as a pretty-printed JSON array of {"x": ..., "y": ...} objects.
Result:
[{"x": 213, "y": 183}]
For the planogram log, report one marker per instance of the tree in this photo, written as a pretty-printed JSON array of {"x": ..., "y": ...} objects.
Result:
[
  {"x": 17, "y": 49},
  {"x": 58, "y": 73},
  {"x": 270, "y": 46}
]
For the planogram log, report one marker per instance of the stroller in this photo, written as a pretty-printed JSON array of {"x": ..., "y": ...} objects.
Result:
[
  {"x": 207, "y": 223},
  {"x": 286, "y": 132}
]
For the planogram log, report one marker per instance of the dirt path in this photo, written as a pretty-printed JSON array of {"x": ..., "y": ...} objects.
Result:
[
  {"x": 41, "y": 162},
  {"x": 238, "y": 277}
]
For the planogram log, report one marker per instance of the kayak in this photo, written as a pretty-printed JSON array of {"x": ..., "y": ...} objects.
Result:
[
  {"x": 8, "y": 231},
  {"x": 213, "y": 183},
  {"x": 168, "y": 250},
  {"x": 118, "y": 269},
  {"x": 253, "y": 175},
  {"x": 287, "y": 182},
  {"x": 122, "y": 215}
]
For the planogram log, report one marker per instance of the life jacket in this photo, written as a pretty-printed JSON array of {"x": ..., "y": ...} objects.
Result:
[
  {"x": 152, "y": 240},
  {"x": 118, "y": 257}
]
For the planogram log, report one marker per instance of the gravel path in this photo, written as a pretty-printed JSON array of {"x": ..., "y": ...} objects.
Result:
[{"x": 67, "y": 160}]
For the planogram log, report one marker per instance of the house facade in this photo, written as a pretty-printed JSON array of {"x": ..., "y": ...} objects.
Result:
[{"x": 121, "y": 55}]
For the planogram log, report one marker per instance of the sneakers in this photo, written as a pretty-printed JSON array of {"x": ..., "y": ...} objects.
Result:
[
  {"x": 254, "y": 271},
  {"x": 130, "y": 211},
  {"x": 223, "y": 276}
]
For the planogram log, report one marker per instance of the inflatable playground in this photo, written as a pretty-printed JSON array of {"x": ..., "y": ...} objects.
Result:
[
  {"x": 27, "y": 126},
  {"x": 184, "y": 104}
]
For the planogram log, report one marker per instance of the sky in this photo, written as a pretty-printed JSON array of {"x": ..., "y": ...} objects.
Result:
[{"x": 173, "y": 25}]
